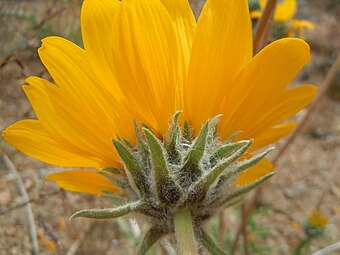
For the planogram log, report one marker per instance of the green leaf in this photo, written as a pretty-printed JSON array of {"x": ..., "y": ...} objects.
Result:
[
  {"x": 120, "y": 182},
  {"x": 114, "y": 170},
  {"x": 210, "y": 244},
  {"x": 200, "y": 189},
  {"x": 133, "y": 167},
  {"x": 244, "y": 165},
  {"x": 191, "y": 166},
  {"x": 128, "y": 144},
  {"x": 232, "y": 137},
  {"x": 140, "y": 140},
  {"x": 187, "y": 133},
  {"x": 250, "y": 162},
  {"x": 226, "y": 149},
  {"x": 149, "y": 239},
  {"x": 245, "y": 189},
  {"x": 113, "y": 198},
  {"x": 213, "y": 128},
  {"x": 165, "y": 185},
  {"x": 108, "y": 213},
  {"x": 173, "y": 140}
]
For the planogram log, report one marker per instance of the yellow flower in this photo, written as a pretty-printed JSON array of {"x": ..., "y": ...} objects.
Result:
[
  {"x": 285, "y": 9},
  {"x": 317, "y": 219},
  {"x": 284, "y": 13},
  {"x": 147, "y": 59},
  {"x": 299, "y": 26}
]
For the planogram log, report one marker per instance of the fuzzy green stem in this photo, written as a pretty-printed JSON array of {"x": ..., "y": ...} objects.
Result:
[
  {"x": 184, "y": 233},
  {"x": 301, "y": 245}
]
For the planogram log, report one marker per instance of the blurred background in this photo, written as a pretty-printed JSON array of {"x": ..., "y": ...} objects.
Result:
[{"x": 308, "y": 177}]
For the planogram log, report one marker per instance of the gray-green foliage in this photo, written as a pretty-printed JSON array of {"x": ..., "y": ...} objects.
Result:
[{"x": 163, "y": 177}]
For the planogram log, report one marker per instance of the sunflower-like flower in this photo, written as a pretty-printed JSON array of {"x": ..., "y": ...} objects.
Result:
[
  {"x": 149, "y": 60},
  {"x": 315, "y": 223},
  {"x": 284, "y": 14},
  {"x": 285, "y": 10}
]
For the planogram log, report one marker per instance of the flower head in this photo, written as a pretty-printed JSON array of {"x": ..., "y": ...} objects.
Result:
[
  {"x": 283, "y": 16},
  {"x": 317, "y": 219},
  {"x": 285, "y": 9},
  {"x": 299, "y": 26},
  {"x": 315, "y": 223},
  {"x": 146, "y": 60}
]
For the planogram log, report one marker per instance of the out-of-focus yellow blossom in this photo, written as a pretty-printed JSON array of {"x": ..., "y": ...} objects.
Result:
[
  {"x": 296, "y": 226},
  {"x": 48, "y": 244},
  {"x": 285, "y": 9},
  {"x": 284, "y": 13},
  {"x": 299, "y": 26},
  {"x": 317, "y": 219}
]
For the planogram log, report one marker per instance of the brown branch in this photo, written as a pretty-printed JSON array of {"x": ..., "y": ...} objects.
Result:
[
  {"x": 49, "y": 15},
  {"x": 264, "y": 26},
  {"x": 244, "y": 230},
  {"x": 260, "y": 40},
  {"x": 236, "y": 238},
  {"x": 33, "y": 200},
  {"x": 222, "y": 227}
]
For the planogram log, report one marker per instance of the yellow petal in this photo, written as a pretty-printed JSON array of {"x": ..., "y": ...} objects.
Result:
[
  {"x": 293, "y": 100},
  {"x": 272, "y": 135},
  {"x": 69, "y": 66},
  {"x": 85, "y": 181},
  {"x": 98, "y": 37},
  {"x": 255, "y": 14},
  {"x": 222, "y": 46},
  {"x": 68, "y": 123},
  {"x": 146, "y": 57},
  {"x": 318, "y": 219},
  {"x": 31, "y": 138},
  {"x": 184, "y": 24},
  {"x": 261, "y": 84},
  {"x": 254, "y": 173}
]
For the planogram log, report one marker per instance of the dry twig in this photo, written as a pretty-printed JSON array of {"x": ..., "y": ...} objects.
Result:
[
  {"x": 33, "y": 200},
  {"x": 329, "y": 249},
  {"x": 74, "y": 247},
  {"x": 260, "y": 41},
  {"x": 29, "y": 212},
  {"x": 264, "y": 26}
]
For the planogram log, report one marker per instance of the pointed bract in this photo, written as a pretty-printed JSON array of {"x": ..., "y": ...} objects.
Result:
[
  {"x": 167, "y": 190},
  {"x": 151, "y": 236},
  {"x": 195, "y": 154},
  {"x": 133, "y": 166},
  {"x": 108, "y": 213}
]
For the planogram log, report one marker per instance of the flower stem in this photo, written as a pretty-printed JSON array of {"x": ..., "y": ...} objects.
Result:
[
  {"x": 301, "y": 245},
  {"x": 184, "y": 233}
]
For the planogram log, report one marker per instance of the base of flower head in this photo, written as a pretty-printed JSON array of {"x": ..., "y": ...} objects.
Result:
[{"x": 179, "y": 173}]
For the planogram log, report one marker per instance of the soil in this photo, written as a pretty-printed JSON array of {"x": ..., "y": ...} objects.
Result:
[{"x": 308, "y": 173}]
